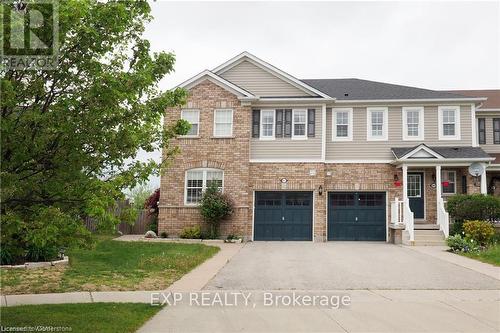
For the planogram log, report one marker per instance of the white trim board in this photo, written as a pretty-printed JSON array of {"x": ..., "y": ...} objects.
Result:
[{"x": 223, "y": 83}]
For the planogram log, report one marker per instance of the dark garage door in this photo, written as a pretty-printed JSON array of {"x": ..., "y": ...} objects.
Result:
[
  {"x": 356, "y": 216},
  {"x": 283, "y": 216}
]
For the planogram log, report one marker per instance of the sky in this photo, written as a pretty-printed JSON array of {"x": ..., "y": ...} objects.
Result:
[{"x": 434, "y": 45}]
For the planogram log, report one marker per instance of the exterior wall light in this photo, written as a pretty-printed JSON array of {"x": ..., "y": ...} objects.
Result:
[{"x": 320, "y": 190}]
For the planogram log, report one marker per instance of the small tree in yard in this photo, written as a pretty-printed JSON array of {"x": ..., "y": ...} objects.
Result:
[
  {"x": 151, "y": 205},
  {"x": 214, "y": 207}
]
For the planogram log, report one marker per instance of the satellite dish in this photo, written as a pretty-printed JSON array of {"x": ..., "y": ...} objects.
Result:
[{"x": 476, "y": 169}]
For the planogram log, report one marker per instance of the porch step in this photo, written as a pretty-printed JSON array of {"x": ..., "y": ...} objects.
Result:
[
  {"x": 425, "y": 237},
  {"x": 426, "y": 226}
]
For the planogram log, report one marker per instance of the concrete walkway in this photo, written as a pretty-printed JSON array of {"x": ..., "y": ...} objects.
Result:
[
  {"x": 194, "y": 280},
  {"x": 441, "y": 252}
]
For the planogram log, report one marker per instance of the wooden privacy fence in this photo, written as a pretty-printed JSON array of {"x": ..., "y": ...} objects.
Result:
[{"x": 140, "y": 226}]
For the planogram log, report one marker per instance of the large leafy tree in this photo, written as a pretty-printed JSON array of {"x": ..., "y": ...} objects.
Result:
[{"x": 69, "y": 135}]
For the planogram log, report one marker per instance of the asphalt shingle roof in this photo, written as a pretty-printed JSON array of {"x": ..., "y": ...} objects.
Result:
[
  {"x": 446, "y": 152},
  {"x": 357, "y": 89}
]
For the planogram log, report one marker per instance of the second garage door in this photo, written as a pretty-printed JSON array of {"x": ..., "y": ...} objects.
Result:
[
  {"x": 283, "y": 216},
  {"x": 357, "y": 216}
]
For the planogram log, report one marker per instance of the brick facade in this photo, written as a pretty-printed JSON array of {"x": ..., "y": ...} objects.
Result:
[{"x": 242, "y": 178}]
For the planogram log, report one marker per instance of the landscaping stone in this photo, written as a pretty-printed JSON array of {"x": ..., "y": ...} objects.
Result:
[
  {"x": 150, "y": 234},
  {"x": 40, "y": 264}
]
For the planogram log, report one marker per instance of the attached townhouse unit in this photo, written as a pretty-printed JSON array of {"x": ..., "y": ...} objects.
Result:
[{"x": 325, "y": 159}]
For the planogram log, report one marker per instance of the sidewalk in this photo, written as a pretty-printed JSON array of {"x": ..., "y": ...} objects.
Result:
[
  {"x": 193, "y": 281},
  {"x": 440, "y": 252}
]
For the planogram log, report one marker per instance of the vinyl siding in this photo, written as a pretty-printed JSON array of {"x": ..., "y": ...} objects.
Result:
[
  {"x": 260, "y": 82},
  {"x": 360, "y": 149},
  {"x": 489, "y": 147},
  {"x": 286, "y": 148}
]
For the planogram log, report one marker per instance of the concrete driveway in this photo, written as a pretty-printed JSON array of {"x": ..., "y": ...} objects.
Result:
[{"x": 342, "y": 265}]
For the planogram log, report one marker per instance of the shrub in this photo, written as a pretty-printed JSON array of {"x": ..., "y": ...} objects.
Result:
[
  {"x": 163, "y": 234},
  {"x": 151, "y": 205},
  {"x": 459, "y": 244},
  {"x": 481, "y": 232},
  {"x": 214, "y": 207},
  {"x": 41, "y": 239},
  {"x": 474, "y": 207},
  {"x": 191, "y": 232}
]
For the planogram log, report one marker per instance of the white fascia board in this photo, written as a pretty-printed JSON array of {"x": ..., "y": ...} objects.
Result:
[
  {"x": 216, "y": 79},
  {"x": 286, "y": 160},
  {"x": 447, "y": 161},
  {"x": 358, "y": 161},
  {"x": 347, "y": 101},
  {"x": 270, "y": 68},
  {"x": 487, "y": 110},
  {"x": 296, "y": 99}
]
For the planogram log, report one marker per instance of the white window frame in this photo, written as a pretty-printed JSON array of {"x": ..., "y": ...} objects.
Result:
[
  {"x": 294, "y": 136},
  {"x": 204, "y": 184},
  {"x": 198, "y": 122},
  {"x": 215, "y": 123},
  {"x": 454, "y": 182},
  {"x": 456, "y": 109},
  {"x": 384, "y": 136},
  {"x": 261, "y": 136},
  {"x": 421, "y": 134},
  {"x": 335, "y": 111}
]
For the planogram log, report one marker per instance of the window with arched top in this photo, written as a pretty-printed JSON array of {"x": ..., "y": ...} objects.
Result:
[{"x": 197, "y": 180}]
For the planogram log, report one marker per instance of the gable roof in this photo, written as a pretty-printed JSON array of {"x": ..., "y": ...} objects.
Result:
[
  {"x": 246, "y": 56},
  {"x": 208, "y": 75},
  {"x": 444, "y": 152},
  {"x": 357, "y": 89},
  {"x": 493, "y": 95}
]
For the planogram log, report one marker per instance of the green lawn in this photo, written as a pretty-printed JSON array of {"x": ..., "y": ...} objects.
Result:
[
  {"x": 111, "y": 265},
  {"x": 91, "y": 317},
  {"x": 491, "y": 255}
]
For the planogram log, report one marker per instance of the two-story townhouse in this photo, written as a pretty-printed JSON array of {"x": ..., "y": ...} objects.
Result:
[
  {"x": 339, "y": 159},
  {"x": 488, "y": 132}
]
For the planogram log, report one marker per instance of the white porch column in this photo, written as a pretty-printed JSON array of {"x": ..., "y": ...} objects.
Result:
[
  {"x": 484, "y": 187},
  {"x": 405, "y": 185},
  {"x": 438, "y": 184}
]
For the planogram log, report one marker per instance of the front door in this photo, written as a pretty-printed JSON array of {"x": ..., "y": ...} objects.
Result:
[{"x": 416, "y": 194}]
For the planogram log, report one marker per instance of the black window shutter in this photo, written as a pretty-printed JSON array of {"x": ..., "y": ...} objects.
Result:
[
  {"x": 481, "y": 124},
  {"x": 288, "y": 123},
  {"x": 279, "y": 123},
  {"x": 311, "y": 123},
  {"x": 255, "y": 123},
  {"x": 496, "y": 130}
]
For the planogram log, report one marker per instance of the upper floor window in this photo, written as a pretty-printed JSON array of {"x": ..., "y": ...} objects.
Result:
[
  {"x": 449, "y": 122},
  {"x": 448, "y": 181},
  {"x": 267, "y": 120},
  {"x": 413, "y": 123},
  {"x": 197, "y": 180},
  {"x": 376, "y": 124},
  {"x": 193, "y": 117},
  {"x": 283, "y": 123},
  {"x": 223, "y": 123},
  {"x": 342, "y": 124},
  {"x": 496, "y": 130},
  {"x": 299, "y": 124},
  {"x": 481, "y": 130}
]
